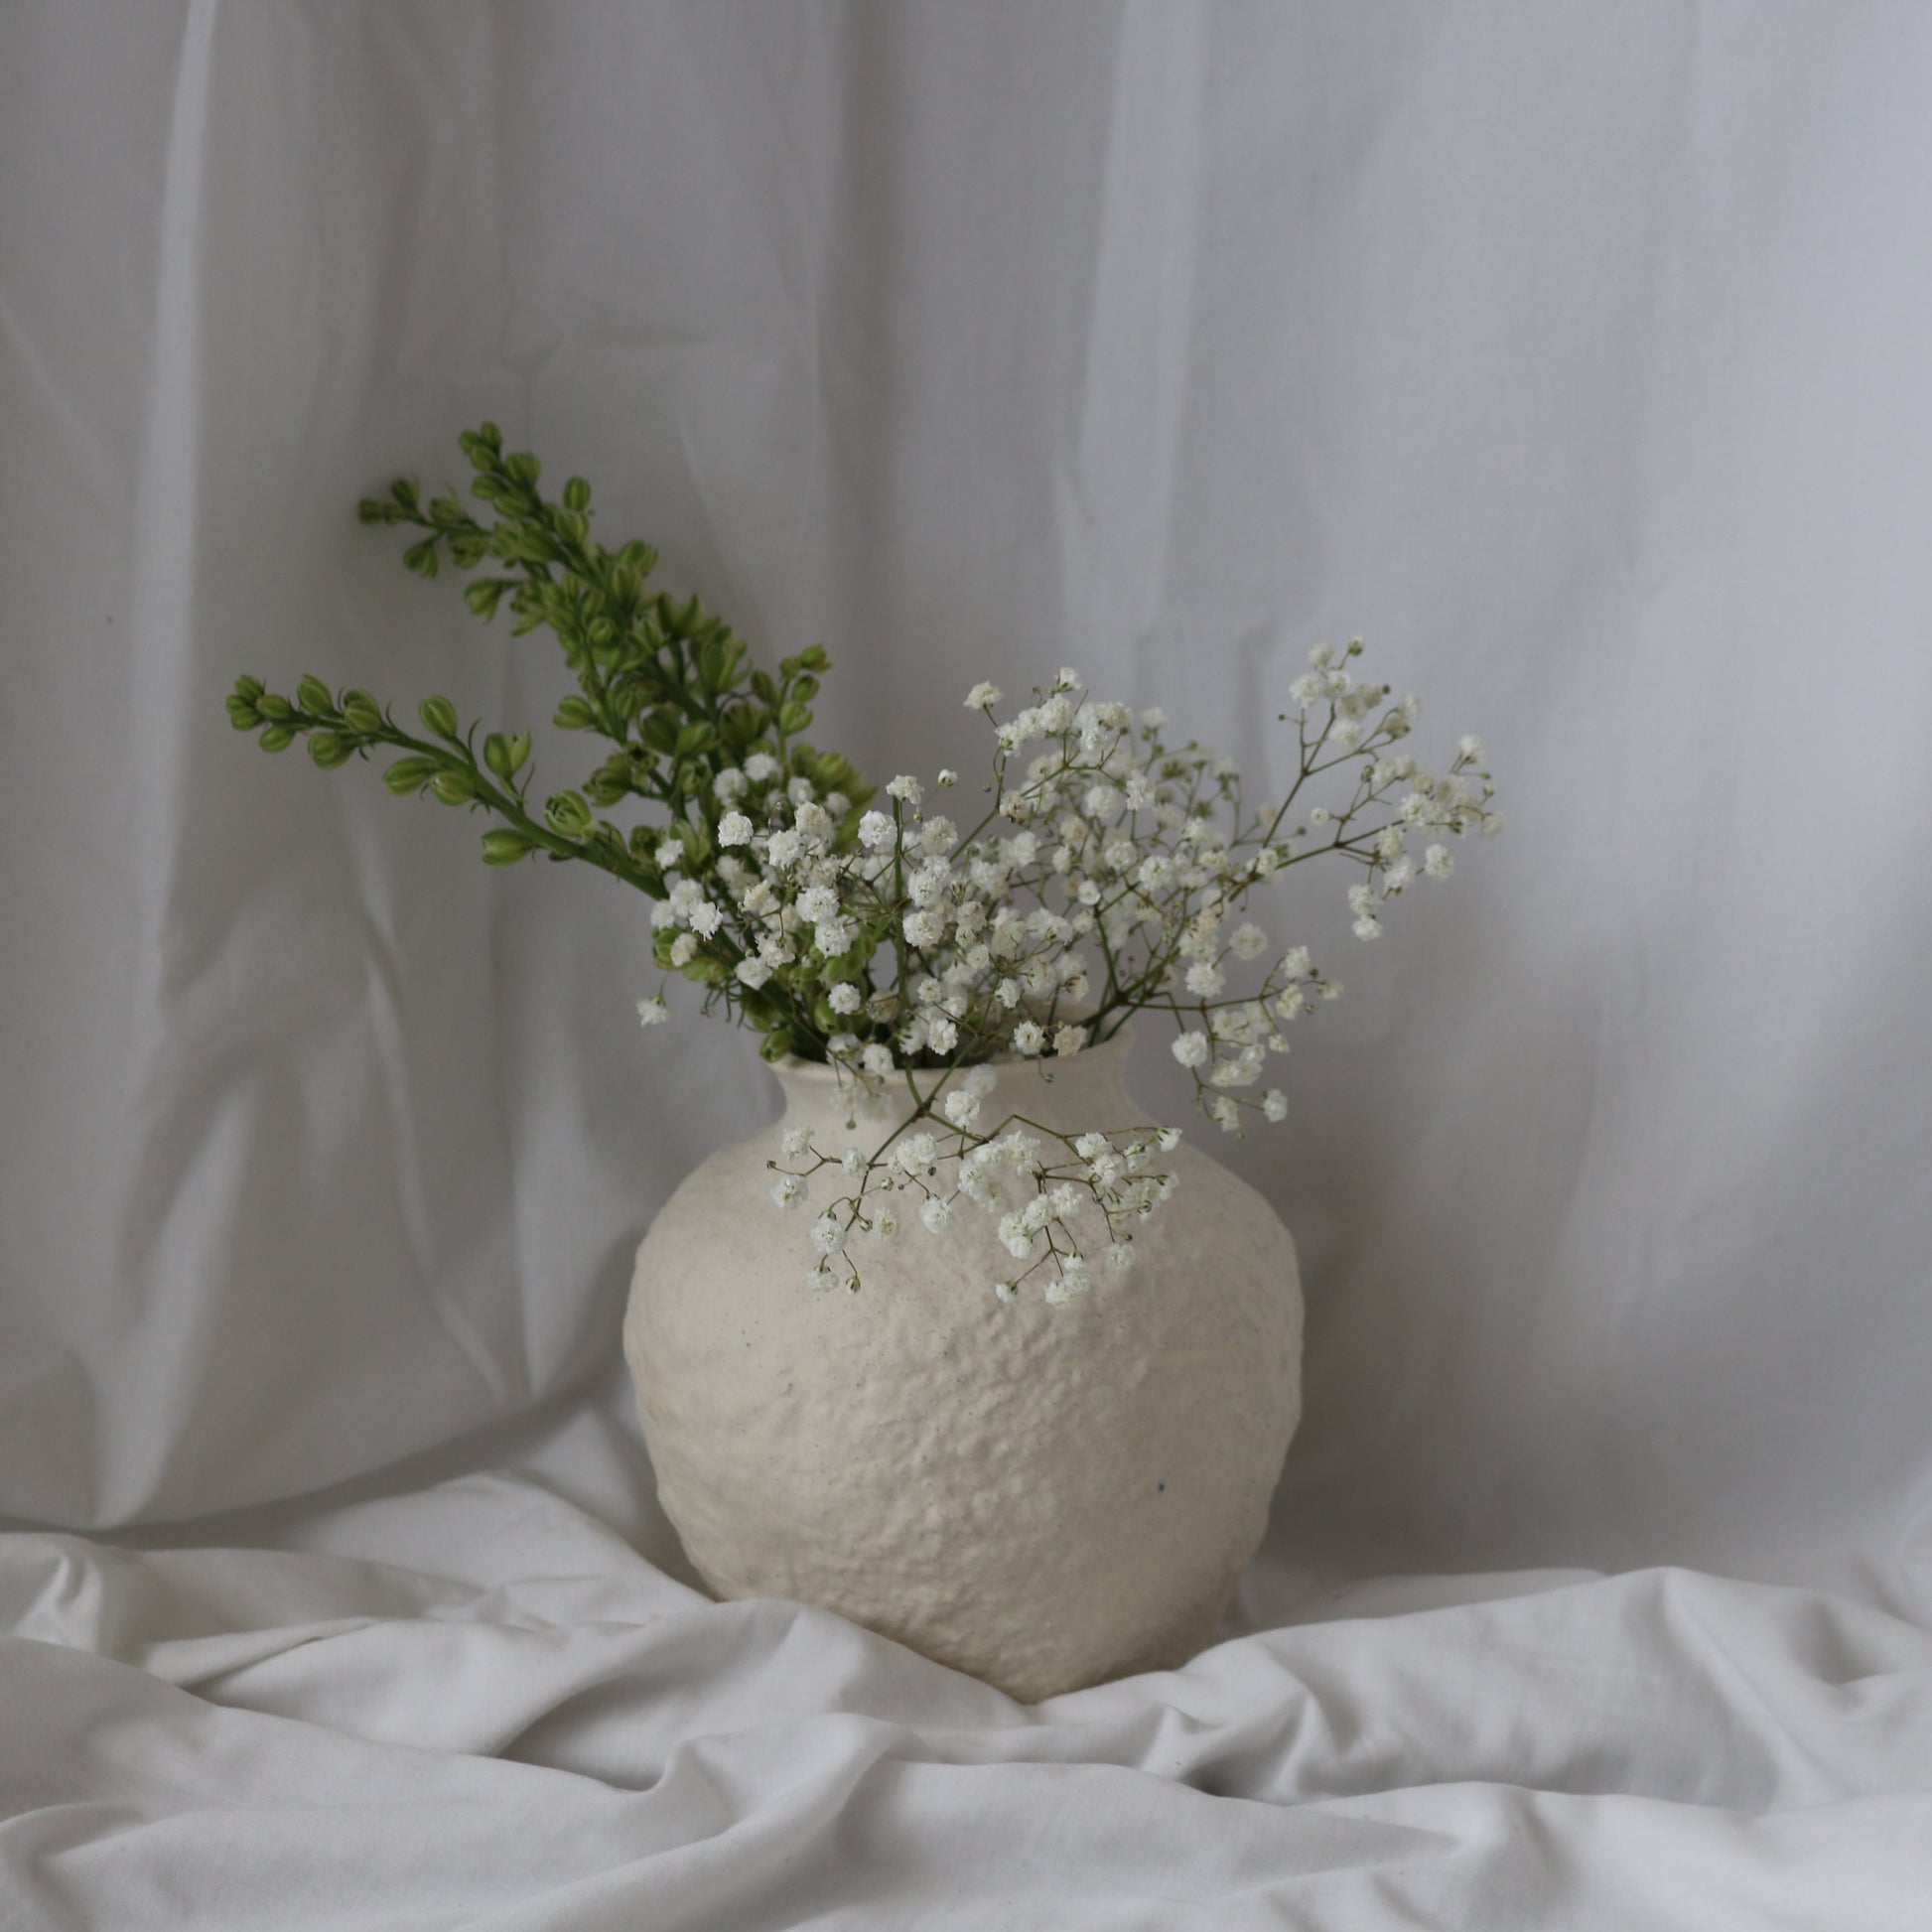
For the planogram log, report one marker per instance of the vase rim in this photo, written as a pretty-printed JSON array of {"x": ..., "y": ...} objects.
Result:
[{"x": 791, "y": 1067}]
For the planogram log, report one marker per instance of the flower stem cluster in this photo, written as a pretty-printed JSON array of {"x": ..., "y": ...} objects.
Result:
[{"x": 1105, "y": 872}]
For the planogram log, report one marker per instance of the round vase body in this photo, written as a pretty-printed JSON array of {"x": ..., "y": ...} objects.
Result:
[{"x": 1042, "y": 1496}]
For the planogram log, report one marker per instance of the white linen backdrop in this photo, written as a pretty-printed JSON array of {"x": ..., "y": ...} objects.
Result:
[{"x": 1578, "y": 356}]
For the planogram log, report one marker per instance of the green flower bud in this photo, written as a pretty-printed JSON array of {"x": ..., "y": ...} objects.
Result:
[
  {"x": 277, "y": 738},
  {"x": 361, "y": 713},
  {"x": 410, "y": 774},
  {"x": 249, "y": 688},
  {"x": 330, "y": 749},
  {"x": 567, "y": 814},
  {"x": 438, "y": 716},
  {"x": 505, "y": 846},
  {"x": 315, "y": 696},
  {"x": 506, "y": 755},
  {"x": 270, "y": 706},
  {"x": 574, "y": 714},
  {"x": 241, "y": 713},
  {"x": 453, "y": 787}
]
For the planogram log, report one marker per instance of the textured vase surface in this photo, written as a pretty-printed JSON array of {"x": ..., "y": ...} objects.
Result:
[{"x": 1045, "y": 1497}]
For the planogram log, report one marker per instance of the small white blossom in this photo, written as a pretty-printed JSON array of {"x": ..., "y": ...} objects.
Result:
[
  {"x": 827, "y": 1236},
  {"x": 1028, "y": 1038},
  {"x": 669, "y": 853},
  {"x": 917, "y": 1154},
  {"x": 961, "y": 1108},
  {"x": 1438, "y": 861},
  {"x": 1274, "y": 1103},
  {"x": 1192, "y": 1050},
  {"x": 753, "y": 972},
  {"x": 789, "y": 1189},
  {"x": 762, "y": 768},
  {"x": 983, "y": 697},
  {"x": 936, "y": 1215},
  {"x": 735, "y": 829},
  {"x": 652, "y": 1011},
  {"x": 1005, "y": 1291},
  {"x": 1069, "y": 1038},
  {"x": 877, "y": 1059},
  {"x": 1368, "y": 926},
  {"x": 907, "y": 790},
  {"x": 1469, "y": 748}
]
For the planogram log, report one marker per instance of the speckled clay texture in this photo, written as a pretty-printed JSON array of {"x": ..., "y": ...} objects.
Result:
[{"x": 1045, "y": 1497}]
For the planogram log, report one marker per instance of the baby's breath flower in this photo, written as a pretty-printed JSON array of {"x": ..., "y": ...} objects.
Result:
[
  {"x": 1192, "y": 1050},
  {"x": 843, "y": 998},
  {"x": 983, "y": 697},
  {"x": 789, "y": 1189},
  {"x": 907, "y": 790},
  {"x": 652, "y": 1010},
  {"x": 735, "y": 829},
  {"x": 936, "y": 1215},
  {"x": 1438, "y": 861},
  {"x": 1274, "y": 1103},
  {"x": 1069, "y": 1038},
  {"x": 917, "y": 1154},
  {"x": 1028, "y": 1038},
  {"x": 877, "y": 1059}
]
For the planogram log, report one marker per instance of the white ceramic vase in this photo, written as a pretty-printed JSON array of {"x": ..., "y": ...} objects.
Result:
[{"x": 1045, "y": 1497}]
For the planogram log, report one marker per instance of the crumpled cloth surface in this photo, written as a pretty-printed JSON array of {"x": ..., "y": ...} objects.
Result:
[{"x": 476, "y": 1704}]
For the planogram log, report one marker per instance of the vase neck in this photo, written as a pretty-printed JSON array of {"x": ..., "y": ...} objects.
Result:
[{"x": 1072, "y": 1094}]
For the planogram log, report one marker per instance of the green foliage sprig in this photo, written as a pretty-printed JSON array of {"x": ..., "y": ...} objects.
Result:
[{"x": 665, "y": 683}]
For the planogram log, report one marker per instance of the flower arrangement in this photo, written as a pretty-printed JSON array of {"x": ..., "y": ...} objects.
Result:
[{"x": 1104, "y": 873}]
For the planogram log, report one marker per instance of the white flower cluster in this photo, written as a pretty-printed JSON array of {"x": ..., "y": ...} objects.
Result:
[
  {"x": 1108, "y": 876},
  {"x": 1051, "y": 1200}
]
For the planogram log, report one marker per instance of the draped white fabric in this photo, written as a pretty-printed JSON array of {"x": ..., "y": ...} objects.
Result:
[{"x": 1578, "y": 356}]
